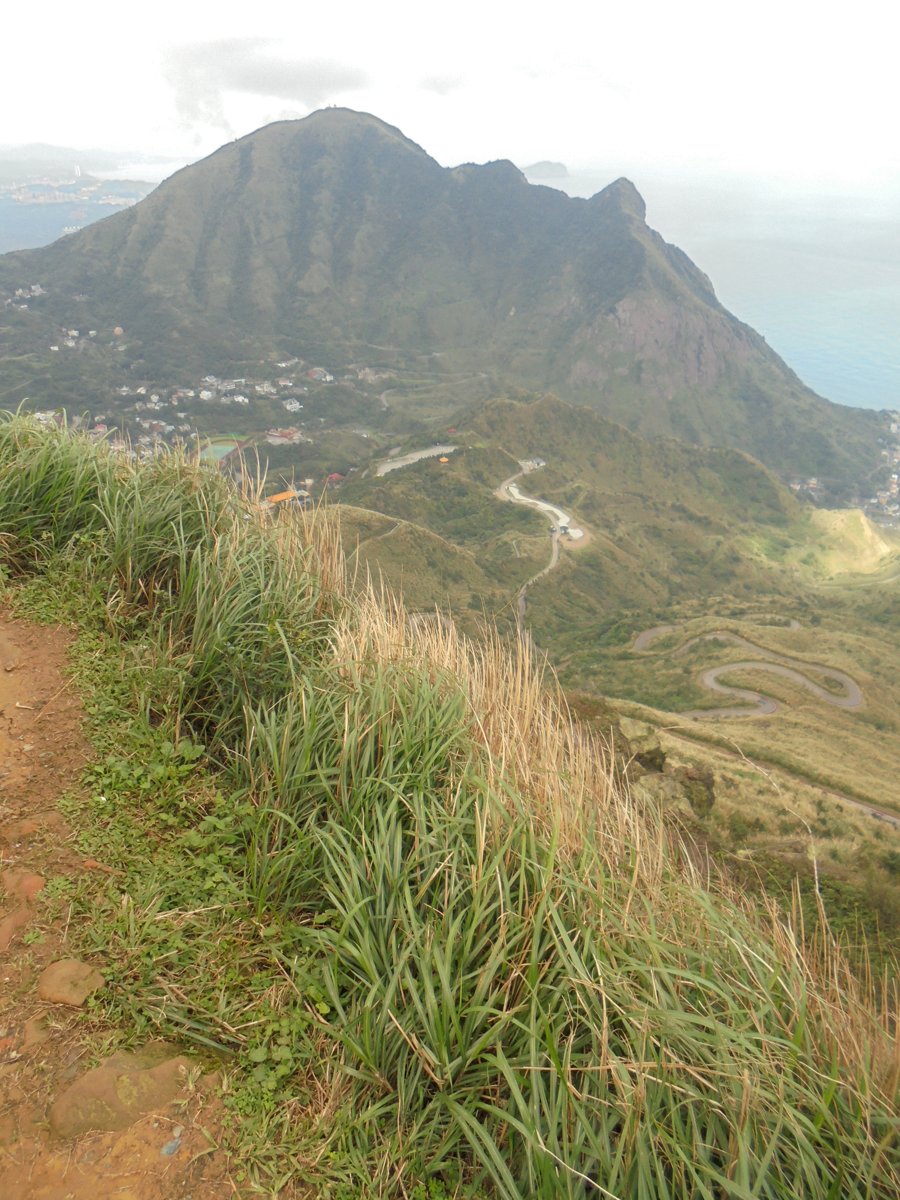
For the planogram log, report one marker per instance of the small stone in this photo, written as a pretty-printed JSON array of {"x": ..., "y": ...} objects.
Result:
[
  {"x": 91, "y": 864},
  {"x": 12, "y": 925},
  {"x": 22, "y": 885},
  {"x": 34, "y": 1033},
  {"x": 19, "y": 830},
  {"x": 69, "y": 982},
  {"x": 112, "y": 1097}
]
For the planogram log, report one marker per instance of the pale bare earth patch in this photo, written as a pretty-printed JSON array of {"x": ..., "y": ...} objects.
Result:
[{"x": 146, "y": 1126}]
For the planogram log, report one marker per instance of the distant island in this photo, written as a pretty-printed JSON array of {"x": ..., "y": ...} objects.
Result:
[{"x": 547, "y": 170}]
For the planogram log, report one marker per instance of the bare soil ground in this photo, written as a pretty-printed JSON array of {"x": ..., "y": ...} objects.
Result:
[{"x": 167, "y": 1120}]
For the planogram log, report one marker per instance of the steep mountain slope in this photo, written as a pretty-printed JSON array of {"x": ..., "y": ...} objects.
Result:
[{"x": 336, "y": 233}]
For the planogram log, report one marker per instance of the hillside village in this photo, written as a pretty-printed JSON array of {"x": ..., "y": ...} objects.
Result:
[
  {"x": 883, "y": 505},
  {"x": 226, "y": 414},
  {"x": 83, "y": 188},
  {"x": 223, "y": 414}
]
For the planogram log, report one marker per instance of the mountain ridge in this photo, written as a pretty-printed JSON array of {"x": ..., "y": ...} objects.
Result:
[{"x": 338, "y": 232}]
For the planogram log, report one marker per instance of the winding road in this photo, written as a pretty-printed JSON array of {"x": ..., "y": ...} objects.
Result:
[
  {"x": 776, "y": 664},
  {"x": 755, "y": 704},
  {"x": 509, "y": 490},
  {"x": 764, "y": 705},
  {"x": 644, "y": 640}
]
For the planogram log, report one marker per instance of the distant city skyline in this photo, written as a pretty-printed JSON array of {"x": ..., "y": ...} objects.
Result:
[{"x": 794, "y": 95}]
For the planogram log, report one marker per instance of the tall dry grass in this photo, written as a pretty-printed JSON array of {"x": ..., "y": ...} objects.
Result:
[
  {"x": 533, "y": 748},
  {"x": 538, "y": 760}
]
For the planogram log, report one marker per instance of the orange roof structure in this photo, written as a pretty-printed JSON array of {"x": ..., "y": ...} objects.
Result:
[{"x": 283, "y": 497}]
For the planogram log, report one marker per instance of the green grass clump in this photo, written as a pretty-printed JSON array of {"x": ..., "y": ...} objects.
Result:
[
  {"x": 488, "y": 1013},
  {"x": 450, "y": 955},
  {"x": 50, "y": 487},
  {"x": 217, "y": 614}
]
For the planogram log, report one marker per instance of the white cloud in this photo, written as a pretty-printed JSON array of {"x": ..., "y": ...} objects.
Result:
[
  {"x": 202, "y": 73},
  {"x": 797, "y": 90}
]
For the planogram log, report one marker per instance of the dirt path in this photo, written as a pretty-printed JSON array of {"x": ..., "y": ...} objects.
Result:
[
  {"x": 756, "y": 704},
  {"x": 143, "y": 1126},
  {"x": 375, "y": 537},
  {"x": 521, "y": 596}
]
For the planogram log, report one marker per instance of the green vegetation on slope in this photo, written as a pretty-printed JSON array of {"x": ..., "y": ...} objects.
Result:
[
  {"x": 705, "y": 540},
  {"x": 668, "y": 523},
  {"x": 446, "y": 950}
]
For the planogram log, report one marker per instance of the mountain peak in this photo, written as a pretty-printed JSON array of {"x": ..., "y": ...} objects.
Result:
[
  {"x": 335, "y": 122},
  {"x": 334, "y": 130},
  {"x": 625, "y": 195},
  {"x": 498, "y": 171}
]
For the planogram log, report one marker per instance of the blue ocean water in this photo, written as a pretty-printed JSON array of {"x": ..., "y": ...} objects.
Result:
[
  {"x": 26, "y": 224},
  {"x": 23, "y": 226},
  {"x": 836, "y": 324},
  {"x": 817, "y": 276}
]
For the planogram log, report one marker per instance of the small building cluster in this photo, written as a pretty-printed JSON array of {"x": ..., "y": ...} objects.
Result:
[{"x": 884, "y": 506}]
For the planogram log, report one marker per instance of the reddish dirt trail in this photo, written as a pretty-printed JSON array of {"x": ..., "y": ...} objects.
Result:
[{"x": 145, "y": 1127}]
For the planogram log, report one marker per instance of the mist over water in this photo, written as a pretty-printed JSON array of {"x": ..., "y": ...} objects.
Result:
[{"x": 817, "y": 276}]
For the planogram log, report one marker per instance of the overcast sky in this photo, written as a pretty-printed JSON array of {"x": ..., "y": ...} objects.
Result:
[{"x": 798, "y": 93}]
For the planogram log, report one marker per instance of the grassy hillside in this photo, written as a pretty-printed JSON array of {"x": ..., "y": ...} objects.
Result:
[
  {"x": 441, "y": 950},
  {"x": 704, "y": 541},
  {"x": 429, "y": 571},
  {"x": 667, "y": 523}
]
